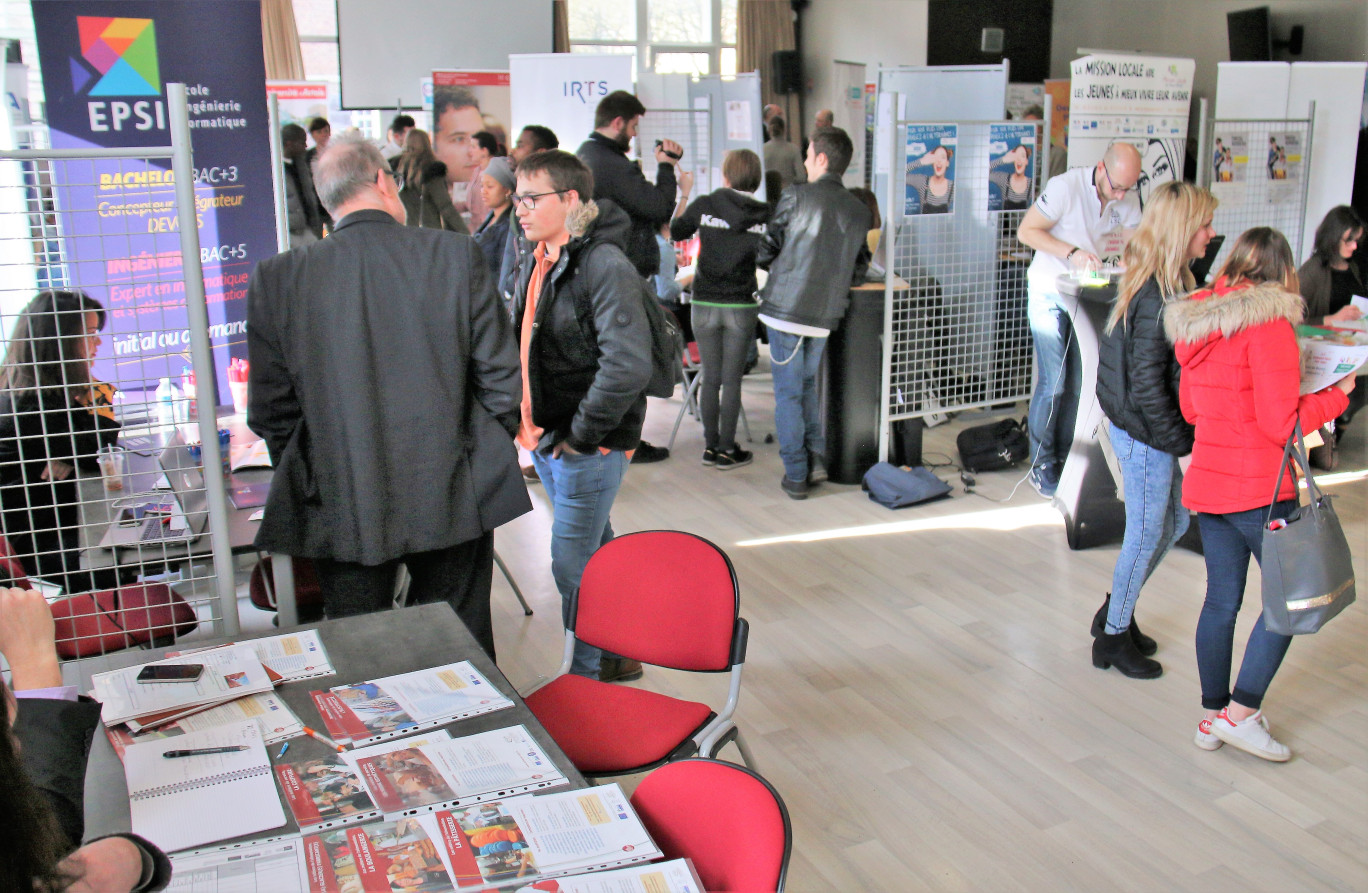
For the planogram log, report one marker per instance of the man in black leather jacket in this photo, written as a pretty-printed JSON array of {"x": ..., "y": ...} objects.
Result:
[
  {"x": 815, "y": 249},
  {"x": 586, "y": 350}
]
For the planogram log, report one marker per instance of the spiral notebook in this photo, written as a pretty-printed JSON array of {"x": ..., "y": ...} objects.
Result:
[{"x": 188, "y": 802}]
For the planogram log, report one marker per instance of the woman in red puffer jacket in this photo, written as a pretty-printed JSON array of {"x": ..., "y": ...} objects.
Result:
[{"x": 1240, "y": 386}]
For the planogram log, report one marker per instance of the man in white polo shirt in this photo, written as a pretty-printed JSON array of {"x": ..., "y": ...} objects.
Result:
[{"x": 1082, "y": 218}]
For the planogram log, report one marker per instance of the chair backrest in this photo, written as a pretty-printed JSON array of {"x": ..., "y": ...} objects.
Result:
[
  {"x": 731, "y": 822},
  {"x": 660, "y": 596}
]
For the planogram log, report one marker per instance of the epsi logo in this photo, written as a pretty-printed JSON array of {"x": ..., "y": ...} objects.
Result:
[{"x": 119, "y": 58}]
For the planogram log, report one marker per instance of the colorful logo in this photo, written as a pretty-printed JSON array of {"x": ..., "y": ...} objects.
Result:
[{"x": 122, "y": 51}]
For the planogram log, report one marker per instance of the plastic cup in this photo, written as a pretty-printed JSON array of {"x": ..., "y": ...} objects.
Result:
[
  {"x": 239, "y": 389},
  {"x": 113, "y": 463}
]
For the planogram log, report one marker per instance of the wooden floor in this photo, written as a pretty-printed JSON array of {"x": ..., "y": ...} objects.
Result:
[{"x": 919, "y": 689}]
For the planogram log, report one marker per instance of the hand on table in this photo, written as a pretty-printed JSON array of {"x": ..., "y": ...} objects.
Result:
[
  {"x": 1084, "y": 260},
  {"x": 109, "y": 865},
  {"x": 57, "y": 471}
]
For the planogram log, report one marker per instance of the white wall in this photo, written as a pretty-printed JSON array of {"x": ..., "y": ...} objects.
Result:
[
  {"x": 875, "y": 32},
  {"x": 1336, "y": 31}
]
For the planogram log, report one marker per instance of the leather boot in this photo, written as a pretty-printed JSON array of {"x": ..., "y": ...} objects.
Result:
[
  {"x": 1119, "y": 651},
  {"x": 1143, "y": 643}
]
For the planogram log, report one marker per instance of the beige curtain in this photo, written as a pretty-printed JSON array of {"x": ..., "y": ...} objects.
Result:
[
  {"x": 764, "y": 27},
  {"x": 560, "y": 27},
  {"x": 280, "y": 41}
]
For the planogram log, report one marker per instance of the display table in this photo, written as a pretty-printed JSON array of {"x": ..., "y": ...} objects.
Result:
[
  {"x": 360, "y": 648},
  {"x": 1087, "y": 493}
]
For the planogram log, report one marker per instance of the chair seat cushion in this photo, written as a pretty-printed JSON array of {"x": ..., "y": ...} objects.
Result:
[{"x": 605, "y": 728}]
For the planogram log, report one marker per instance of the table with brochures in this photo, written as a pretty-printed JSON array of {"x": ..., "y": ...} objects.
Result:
[{"x": 367, "y": 647}]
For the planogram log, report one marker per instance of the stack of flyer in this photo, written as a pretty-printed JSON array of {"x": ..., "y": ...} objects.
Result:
[
  {"x": 412, "y": 776},
  {"x": 370, "y": 712},
  {"x": 509, "y": 843},
  {"x": 229, "y": 674},
  {"x": 286, "y": 658}
]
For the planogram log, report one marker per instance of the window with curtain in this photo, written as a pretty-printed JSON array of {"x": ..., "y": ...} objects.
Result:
[{"x": 664, "y": 36}]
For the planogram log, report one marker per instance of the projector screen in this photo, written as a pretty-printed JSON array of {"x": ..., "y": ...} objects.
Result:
[{"x": 386, "y": 48}]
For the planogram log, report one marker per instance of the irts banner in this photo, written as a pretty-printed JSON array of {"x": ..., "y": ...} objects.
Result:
[{"x": 106, "y": 64}]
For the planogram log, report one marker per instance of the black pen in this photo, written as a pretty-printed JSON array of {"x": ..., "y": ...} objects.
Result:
[{"x": 173, "y": 754}]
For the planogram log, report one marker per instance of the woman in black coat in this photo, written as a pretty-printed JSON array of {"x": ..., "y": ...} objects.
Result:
[
  {"x": 54, "y": 418},
  {"x": 1137, "y": 387},
  {"x": 423, "y": 186}
]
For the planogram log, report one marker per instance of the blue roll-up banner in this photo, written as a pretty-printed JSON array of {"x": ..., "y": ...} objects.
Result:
[{"x": 105, "y": 67}]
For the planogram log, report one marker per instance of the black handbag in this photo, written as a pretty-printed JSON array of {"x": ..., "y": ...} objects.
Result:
[
  {"x": 1308, "y": 574},
  {"x": 994, "y": 446}
]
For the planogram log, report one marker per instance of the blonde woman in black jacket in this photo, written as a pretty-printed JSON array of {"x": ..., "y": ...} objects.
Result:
[{"x": 1137, "y": 387}]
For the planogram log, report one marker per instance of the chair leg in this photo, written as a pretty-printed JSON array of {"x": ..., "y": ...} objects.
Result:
[
  {"x": 745, "y": 426},
  {"x": 690, "y": 400},
  {"x": 527, "y": 612},
  {"x": 746, "y": 754}
]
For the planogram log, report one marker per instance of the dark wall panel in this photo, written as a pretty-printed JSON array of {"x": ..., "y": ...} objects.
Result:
[{"x": 955, "y": 31}]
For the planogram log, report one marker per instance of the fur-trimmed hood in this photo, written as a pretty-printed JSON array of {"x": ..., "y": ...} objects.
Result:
[{"x": 1226, "y": 313}]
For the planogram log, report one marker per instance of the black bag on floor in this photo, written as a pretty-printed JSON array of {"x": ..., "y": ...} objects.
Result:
[{"x": 994, "y": 446}]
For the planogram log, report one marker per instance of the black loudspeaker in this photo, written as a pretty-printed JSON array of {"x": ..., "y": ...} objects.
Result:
[{"x": 788, "y": 71}]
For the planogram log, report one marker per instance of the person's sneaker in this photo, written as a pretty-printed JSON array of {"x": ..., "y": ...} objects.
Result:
[
  {"x": 794, "y": 489},
  {"x": 1250, "y": 735},
  {"x": 1207, "y": 740},
  {"x": 1045, "y": 480},
  {"x": 709, "y": 457},
  {"x": 619, "y": 669},
  {"x": 817, "y": 470},
  {"x": 733, "y": 458},
  {"x": 646, "y": 452}
]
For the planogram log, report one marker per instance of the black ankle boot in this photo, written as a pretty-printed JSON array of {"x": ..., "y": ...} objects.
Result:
[
  {"x": 1119, "y": 651},
  {"x": 1143, "y": 643}
]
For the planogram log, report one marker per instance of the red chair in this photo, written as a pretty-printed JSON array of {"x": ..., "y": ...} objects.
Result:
[
  {"x": 308, "y": 592},
  {"x": 94, "y": 623},
  {"x": 661, "y": 597},
  {"x": 728, "y": 820}
]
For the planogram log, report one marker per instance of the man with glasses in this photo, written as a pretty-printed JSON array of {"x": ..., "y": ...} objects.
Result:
[
  {"x": 1080, "y": 221},
  {"x": 586, "y": 361},
  {"x": 385, "y": 382}
]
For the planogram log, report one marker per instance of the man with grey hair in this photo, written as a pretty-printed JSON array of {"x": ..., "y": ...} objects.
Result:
[{"x": 385, "y": 382}]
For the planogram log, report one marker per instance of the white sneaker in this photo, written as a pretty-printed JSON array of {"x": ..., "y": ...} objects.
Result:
[
  {"x": 1207, "y": 740},
  {"x": 1250, "y": 735}
]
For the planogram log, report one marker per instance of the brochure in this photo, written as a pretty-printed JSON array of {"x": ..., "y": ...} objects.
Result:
[
  {"x": 675, "y": 876},
  {"x": 1327, "y": 356},
  {"x": 367, "y": 712},
  {"x": 512, "y": 843},
  {"x": 293, "y": 656},
  {"x": 276, "y": 866},
  {"x": 278, "y": 722},
  {"x": 324, "y": 792},
  {"x": 423, "y": 778},
  {"x": 229, "y": 673}
]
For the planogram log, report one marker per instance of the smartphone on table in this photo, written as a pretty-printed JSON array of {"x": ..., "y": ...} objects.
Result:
[{"x": 171, "y": 672}]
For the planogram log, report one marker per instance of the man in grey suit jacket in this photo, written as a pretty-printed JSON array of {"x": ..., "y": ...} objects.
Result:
[{"x": 385, "y": 381}]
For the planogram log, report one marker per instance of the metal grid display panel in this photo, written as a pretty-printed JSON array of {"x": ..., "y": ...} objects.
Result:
[
  {"x": 1250, "y": 196},
  {"x": 958, "y": 337},
  {"x": 57, "y": 496},
  {"x": 692, "y": 129}
]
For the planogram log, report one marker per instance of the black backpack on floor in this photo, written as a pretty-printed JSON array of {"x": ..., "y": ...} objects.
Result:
[{"x": 994, "y": 446}]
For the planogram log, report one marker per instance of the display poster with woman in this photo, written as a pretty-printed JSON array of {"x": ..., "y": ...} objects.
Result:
[
  {"x": 1284, "y": 163},
  {"x": 931, "y": 169},
  {"x": 1230, "y": 167},
  {"x": 1011, "y": 166}
]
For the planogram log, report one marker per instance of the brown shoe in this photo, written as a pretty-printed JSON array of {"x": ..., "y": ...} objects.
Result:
[
  {"x": 530, "y": 475},
  {"x": 619, "y": 669}
]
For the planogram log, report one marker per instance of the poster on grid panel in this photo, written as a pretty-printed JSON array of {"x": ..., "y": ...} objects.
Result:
[
  {"x": 733, "y": 106},
  {"x": 1141, "y": 100},
  {"x": 561, "y": 91},
  {"x": 850, "y": 115}
]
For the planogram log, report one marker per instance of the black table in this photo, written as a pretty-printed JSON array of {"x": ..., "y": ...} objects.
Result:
[{"x": 360, "y": 648}]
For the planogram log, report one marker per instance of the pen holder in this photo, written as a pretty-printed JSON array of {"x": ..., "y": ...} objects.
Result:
[{"x": 239, "y": 391}]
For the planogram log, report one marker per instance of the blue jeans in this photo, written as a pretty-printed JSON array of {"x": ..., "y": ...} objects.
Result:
[
  {"x": 581, "y": 489},
  {"x": 723, "y": 334},
  {"x": 794, "y": 360},
  {"x": 1228, "y": 541},
  {"x": 1155, "y": 520},
  {"x": 1054, "y": 403}
]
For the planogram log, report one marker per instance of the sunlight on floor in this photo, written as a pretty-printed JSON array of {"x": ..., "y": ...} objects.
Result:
[{"x": 995, "y": 519}]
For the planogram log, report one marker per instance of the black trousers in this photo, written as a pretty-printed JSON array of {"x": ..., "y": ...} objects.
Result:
[{"x": 459, "y": 575}]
